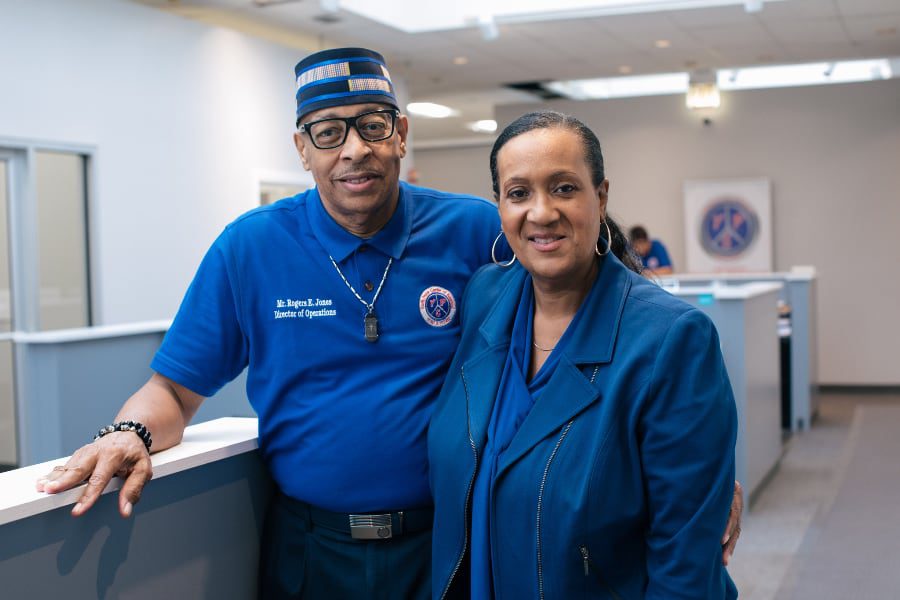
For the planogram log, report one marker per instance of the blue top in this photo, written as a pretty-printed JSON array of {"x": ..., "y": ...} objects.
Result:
[
  {"x": 657, "y": 257},
  {"x": 515, "y": 398},
  {"x": 342, "y": 421},
  {"x": 619, "y": 479}
]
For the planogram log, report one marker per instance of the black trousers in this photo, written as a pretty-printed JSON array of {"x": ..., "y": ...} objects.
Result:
[{"x": 302, "y": 558}]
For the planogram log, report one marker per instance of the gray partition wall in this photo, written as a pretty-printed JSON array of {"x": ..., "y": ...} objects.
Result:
[
  {"x": 71, "y": 383},
  {"x": 747, "y": 325},
  {"x": 194, "y": 535},
  {"x": 799, "y": 292}
]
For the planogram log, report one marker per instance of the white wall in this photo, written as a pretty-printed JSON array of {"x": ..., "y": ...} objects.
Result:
[
  {"x": 461, "y": 169},
  {"x": 833, "y": 155},
  {"x": 181, "y": 115}
]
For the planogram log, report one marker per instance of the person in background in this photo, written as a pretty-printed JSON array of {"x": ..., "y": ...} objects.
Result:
[
  {"x": 583, "y": 442},
  {"x": 653, "y": 253},
  {"x": 342, "y": 302}
]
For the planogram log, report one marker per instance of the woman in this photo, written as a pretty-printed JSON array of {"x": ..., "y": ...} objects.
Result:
[{"x": 583, "y": 443}]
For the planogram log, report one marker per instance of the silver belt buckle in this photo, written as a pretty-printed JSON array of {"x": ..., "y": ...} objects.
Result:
[{"x": 371, "y": 527}]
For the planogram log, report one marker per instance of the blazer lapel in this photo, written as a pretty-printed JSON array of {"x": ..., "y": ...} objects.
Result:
[
  {"x": 481, "y": 378},
  {"x": 569, "y": 392},
  {"x": 481, "y": 374}
]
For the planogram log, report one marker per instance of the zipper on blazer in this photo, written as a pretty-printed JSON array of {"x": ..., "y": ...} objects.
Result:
[
  {"x": 540, "y": 505},
  {"x": 462, "y": 374},
  {"x": 588, "y": 563}
]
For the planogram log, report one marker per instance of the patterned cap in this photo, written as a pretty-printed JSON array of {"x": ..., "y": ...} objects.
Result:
[{"x": 342, "y": 76}]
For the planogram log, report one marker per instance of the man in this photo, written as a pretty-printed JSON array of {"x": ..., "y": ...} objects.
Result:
[
  {"x": 652, "y": 252},
  {"x": 343, "y": 301}
]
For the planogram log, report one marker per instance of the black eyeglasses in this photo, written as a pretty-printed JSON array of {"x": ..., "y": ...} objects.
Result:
[{"x": 371, "y": 126}]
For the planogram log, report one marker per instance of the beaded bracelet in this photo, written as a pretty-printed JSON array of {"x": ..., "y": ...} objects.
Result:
[{"x": 134, "y": 426}]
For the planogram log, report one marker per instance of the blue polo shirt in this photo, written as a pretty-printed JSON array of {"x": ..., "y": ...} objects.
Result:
[
  {"x": 657, "y": 257},
  {"x": 342, "y": 421}
]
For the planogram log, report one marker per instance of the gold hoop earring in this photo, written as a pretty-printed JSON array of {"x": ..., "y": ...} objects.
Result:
[
  {"x": 608, "y": 241},
  {"x": 494, "y": 257}
]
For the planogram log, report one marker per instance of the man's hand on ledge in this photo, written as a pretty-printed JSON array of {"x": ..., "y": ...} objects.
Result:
[{"x": 121, "y": 453}]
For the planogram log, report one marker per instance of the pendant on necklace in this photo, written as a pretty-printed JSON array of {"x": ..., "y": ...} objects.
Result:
[{"x": 371, "y": 327}]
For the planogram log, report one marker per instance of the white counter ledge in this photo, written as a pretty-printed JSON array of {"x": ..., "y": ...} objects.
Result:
[
  {"x": 77, "y": 334},
  {"x": 796, "y": 273},
  {"x": 741, "y": 291},
  {"x": 202, "y": 444}
]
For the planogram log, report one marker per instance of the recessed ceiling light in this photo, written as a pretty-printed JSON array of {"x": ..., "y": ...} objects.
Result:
[
  {"x": 430, "y": 110},
  {"x": 662, "y": 43},
  {"x": 753, "y": 6},
  {"x": 460, "y": 60},
  {"x": 624, "y": 69},
  {"x": 483, "y": 126}
]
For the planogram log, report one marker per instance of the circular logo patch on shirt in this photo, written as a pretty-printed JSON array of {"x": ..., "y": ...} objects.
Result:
[{"x": 437, "y": 306}]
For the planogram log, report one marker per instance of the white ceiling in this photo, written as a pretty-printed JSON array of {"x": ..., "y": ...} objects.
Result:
[{"x": 783, "y": 32}]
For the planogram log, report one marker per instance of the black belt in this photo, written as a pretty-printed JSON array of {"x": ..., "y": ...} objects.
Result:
[{"x": 364, "y": 526}]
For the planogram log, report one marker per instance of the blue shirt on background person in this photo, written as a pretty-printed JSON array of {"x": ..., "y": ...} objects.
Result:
[
  {"x": 652, "y": 252},
  {"x": 658, "y": 257}
]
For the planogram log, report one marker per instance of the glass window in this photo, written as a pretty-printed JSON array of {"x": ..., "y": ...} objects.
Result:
[
  {"x": 7, "y": 398},
  {"x": 64, "y": 294}
]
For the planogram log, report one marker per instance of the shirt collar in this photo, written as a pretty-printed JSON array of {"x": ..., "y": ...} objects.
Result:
[
  {"x": 593, "y": 338},
  {"x": 340, "y": 243}
]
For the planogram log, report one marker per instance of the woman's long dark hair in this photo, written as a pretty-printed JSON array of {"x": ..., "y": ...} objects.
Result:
[{"x": 593, "y": 156}]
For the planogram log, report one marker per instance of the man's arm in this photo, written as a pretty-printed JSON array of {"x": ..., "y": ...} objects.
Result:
[
  {"x": 733, "y": 528},
  {"x": 165, "y": 408}
]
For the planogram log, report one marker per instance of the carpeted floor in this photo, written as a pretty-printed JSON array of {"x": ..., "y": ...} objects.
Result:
[
  {"x": 852, "y": 548},
  {"x": 827, "y": 526}
]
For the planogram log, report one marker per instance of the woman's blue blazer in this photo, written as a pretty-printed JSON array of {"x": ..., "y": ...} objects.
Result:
[{"x": 619, "y": 481}]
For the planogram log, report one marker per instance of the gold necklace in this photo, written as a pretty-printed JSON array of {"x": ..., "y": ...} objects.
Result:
[{"x": 542, "y": 349}]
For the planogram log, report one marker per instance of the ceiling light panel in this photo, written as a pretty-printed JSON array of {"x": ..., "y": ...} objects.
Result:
[
  {"x": 412, "y": 17},
  {"x": 621, "y": 87},
  {"x": 804, "y": 74},
  {"x": 729, "y": 79}
]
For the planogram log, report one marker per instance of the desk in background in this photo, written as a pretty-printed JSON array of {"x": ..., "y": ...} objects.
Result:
[
  {"x": 798, "y": 291},
  {"x": 745, "y": 318},
  {"x": 194, "y": 534}
]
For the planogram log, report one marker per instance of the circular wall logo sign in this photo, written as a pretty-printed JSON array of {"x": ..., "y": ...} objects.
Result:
[
  {"x": 728, "y": 228},
  {"x": 437, "y": 306}
]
